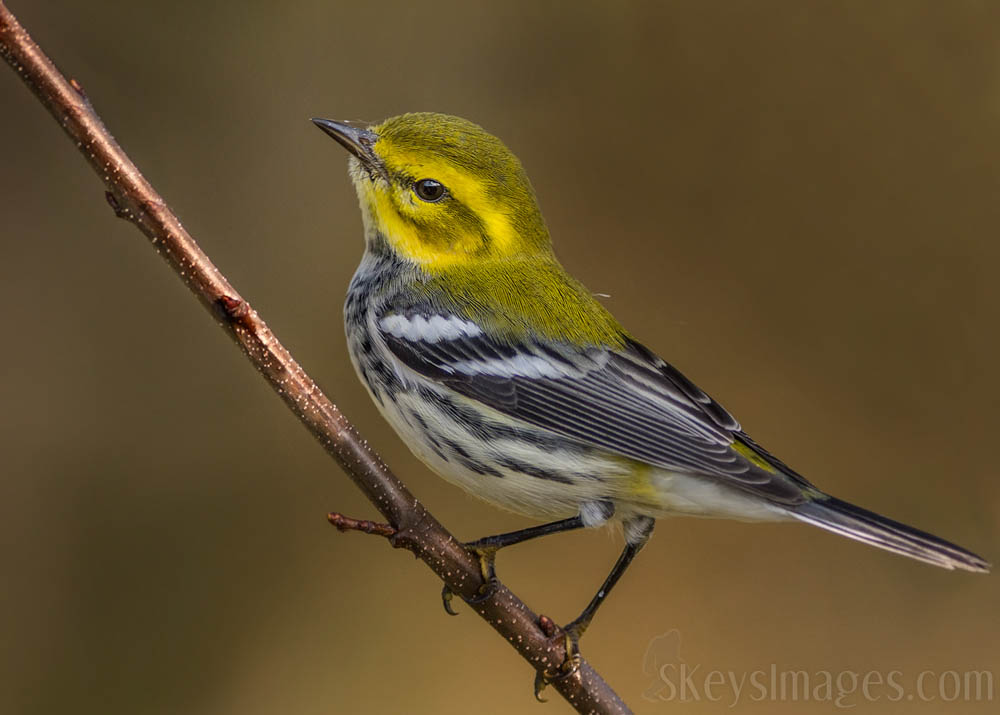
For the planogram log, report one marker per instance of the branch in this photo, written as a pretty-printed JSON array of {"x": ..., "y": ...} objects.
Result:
[{"x": 412, "y": 526}]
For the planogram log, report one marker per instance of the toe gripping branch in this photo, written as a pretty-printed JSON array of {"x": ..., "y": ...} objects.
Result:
[
  {"x": 571, "y": 662},
  {"x": 487, "y": 558}
]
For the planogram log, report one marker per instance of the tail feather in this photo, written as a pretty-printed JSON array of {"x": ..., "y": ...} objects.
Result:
[{"x": 868, "y": 527}]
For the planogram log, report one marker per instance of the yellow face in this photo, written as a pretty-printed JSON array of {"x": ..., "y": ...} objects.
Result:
[
  {"x": 446, "y": 196},
  {"x": 440, "y": 192}
]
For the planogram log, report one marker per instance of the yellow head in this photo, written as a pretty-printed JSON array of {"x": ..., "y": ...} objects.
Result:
[
  {"x": 443, "y": 194},
  {"x": 440, "y": 191}
]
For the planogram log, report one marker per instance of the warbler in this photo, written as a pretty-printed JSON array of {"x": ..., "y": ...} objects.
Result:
[{"x": 508, "y": 378}]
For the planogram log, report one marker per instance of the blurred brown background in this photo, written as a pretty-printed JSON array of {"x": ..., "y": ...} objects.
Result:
[{"x": 794, "y": 202}]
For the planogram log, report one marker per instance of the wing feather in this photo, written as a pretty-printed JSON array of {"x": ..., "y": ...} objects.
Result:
[{"x": 629, "y": 401}]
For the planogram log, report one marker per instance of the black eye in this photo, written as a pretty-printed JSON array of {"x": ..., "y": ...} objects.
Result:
[{"x": 429, "y": 190}]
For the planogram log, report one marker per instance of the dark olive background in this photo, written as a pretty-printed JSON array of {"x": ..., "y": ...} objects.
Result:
[{"x": 794, "y": 202}]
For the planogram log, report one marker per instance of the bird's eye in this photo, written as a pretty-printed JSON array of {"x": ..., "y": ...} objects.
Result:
[{"x": 429, "y": 190}]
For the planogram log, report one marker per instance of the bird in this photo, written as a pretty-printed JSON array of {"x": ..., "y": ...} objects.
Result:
[{"x": 508, "y": 378}]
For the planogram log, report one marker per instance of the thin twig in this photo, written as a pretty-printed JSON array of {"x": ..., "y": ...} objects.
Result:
[
  {"x": 133, "y": 198},
  {"x": 346, "y": 523}
]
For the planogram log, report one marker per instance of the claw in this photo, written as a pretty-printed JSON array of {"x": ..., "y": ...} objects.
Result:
[
  {"x": 446, "y": 595},
  {"x": 487, "y": 557},
  {"x": 485, "y": 591},
  {"x": 541, "y": 682}
]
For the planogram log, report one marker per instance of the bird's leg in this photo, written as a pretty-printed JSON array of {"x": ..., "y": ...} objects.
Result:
[
  {"x": 637, "y": 533},
  {"x": 487, "y": 547}
]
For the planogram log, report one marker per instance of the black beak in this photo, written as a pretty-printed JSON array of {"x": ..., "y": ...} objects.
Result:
[{"x": 359, "y": 142}]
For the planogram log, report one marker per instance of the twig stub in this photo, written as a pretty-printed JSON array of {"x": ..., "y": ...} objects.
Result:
[{"x": 346, "y": 523}]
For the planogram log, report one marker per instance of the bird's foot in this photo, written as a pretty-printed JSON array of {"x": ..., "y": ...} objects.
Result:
[
  {"x": 570, "y": 634},
  {"x": 487, "y": 555}
]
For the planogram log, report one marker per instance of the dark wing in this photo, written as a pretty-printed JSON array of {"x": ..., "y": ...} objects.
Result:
[{"x": 626, "y": 401}]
